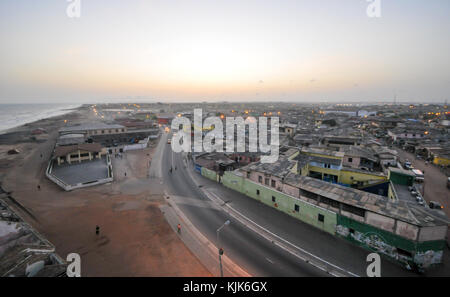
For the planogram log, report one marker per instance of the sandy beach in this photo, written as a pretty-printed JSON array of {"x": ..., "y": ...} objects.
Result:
[{"x": 134, "y": 239}]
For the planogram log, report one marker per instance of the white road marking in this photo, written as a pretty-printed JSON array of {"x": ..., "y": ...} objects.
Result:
[{"x": 283, "y": 240}]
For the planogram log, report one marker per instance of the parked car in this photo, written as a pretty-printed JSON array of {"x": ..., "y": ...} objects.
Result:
[{"x": 435, "y": 205}]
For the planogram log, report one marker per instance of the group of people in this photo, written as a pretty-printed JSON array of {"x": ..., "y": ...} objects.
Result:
[{"x": 170, "y": 170}]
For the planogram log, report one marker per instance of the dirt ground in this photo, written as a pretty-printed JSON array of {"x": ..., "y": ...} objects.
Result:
[{"x": 134, "y": 239}]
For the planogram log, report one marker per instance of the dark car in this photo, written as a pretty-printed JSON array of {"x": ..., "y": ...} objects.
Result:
[{"x": 435, "y": 205}]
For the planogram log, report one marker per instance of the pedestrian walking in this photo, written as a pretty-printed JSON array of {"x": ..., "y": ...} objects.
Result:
[{"x": 179, "y": 228}]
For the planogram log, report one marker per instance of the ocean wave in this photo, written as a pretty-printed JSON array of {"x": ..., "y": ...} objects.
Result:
[{"x": 14, "y": 115}]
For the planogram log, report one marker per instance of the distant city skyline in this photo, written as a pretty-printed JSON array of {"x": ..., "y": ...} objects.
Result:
[{"x": 216, "y": 50}]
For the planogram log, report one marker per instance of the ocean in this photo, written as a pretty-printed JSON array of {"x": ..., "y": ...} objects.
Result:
[{"x": 13, "y": 115}]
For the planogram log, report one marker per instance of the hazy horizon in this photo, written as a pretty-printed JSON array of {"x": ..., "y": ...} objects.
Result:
[{"x": 252, "y": 51}]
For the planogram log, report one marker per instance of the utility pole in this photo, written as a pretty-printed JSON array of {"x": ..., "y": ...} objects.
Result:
[{"x": 220, "y": 250}]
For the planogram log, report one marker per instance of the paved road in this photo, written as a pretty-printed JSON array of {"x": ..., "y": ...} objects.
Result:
[
  {"x": 435, "y": 181},
  {"x": 435, "y": 184},
  {"x": 251, "y": 251}
]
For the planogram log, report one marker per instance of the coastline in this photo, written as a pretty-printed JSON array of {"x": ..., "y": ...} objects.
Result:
[
  {"x": 55, "y": 113},
  {"x": 133, "y": 227}
]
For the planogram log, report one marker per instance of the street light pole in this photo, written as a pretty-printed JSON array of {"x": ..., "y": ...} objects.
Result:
[{"x": 220, "y": 250}]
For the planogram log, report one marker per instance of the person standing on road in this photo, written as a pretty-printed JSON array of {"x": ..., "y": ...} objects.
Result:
[{"x": 179, "y": 228}]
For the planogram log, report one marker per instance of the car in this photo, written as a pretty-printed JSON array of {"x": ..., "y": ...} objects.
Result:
[
  {"x": 421, "y": 203},
  {"x": 435, "y": 205},
  {"x": 169, "y": 141}
]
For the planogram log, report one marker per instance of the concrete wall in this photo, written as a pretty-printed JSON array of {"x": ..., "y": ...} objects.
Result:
[
  {"x": 307, "y": 213},
  {"x": 346, "y": 177},
  {"x": 390, "y": 244},
  {"x": 432, "y": 233},
  {"x": 209, "y": 174},
  {"x": 373, "y": 232}
]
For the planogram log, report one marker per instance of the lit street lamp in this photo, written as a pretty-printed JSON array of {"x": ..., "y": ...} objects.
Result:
[{"x": 220, "y": 250}]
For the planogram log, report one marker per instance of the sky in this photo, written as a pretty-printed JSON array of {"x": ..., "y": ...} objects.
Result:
[{"x": 224, "y": 50}]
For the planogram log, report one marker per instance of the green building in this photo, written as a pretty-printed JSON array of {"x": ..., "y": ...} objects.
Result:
[
  {"x": 410, "y": 234},
  {"x": 401, "y": 176}
]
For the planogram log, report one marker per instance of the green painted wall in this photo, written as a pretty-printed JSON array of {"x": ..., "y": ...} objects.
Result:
[
  {"x": 308, "y": 213},
  {"x": 386, "y": 242},
  {"x": 233, "y": 181},
  {"x": 401, "y": 179},
  {"x": 364, "y": 235},
  {"x": 209, "y": 174}
]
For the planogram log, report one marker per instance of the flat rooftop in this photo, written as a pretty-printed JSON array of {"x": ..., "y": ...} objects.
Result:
[
  {"x": 90, "y": 126},
  {"x": 84, "y": 172},
  {"x": 23, "y": 251},
  {"x": 401, "y": 210}
]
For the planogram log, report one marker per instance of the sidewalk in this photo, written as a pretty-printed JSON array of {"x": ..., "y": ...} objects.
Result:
[{"x": 199, "y": 245}]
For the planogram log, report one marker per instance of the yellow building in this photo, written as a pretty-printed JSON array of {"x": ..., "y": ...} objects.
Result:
[
  {"x": 443, "y": 160},
  {"x": 327, "y": 166}
]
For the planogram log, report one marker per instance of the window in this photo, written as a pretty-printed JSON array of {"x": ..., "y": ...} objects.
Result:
[
  {"x": 248, "y": 174},
  {"x": 117, "y": 130},
  {"x": 266, "y": 181},
  {"x": 352, "y": 231},
  {"x": 260, "y": 179},
  {"x": 331, "y": 202},
  {"x": 273, "y": 198},
  {"x": 103, "y": 131},
  {"x": 273, "y": 183},
  {"x": 326, "y": 165},
  {"x": 257, "y": 192},
  {"x": 404, "y": 253},
  {"x": 296, "y": 208},
  {"x": 308, "y": 194},
  {"x": 321, "y": 218},
  {"x": 350, "y": 160},
  {"x": 354, "y": 210}
]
